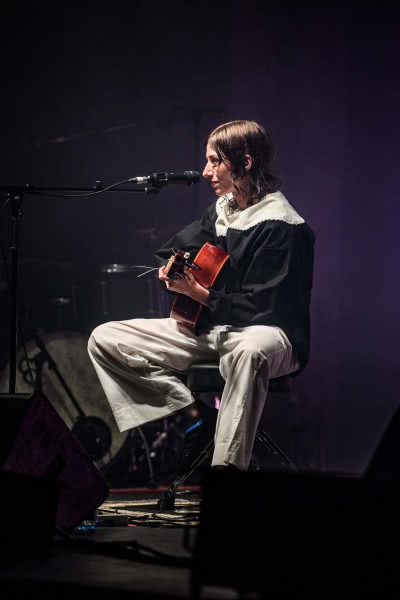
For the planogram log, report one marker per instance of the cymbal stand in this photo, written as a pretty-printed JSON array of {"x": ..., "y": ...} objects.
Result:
[{"x": 15, "y": 197}]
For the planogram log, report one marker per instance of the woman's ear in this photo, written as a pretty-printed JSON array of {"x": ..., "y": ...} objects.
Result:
[{"x": 248, "y": 162}]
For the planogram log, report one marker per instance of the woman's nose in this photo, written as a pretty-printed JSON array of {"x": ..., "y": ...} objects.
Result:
[{"x": 207, "y": 172}]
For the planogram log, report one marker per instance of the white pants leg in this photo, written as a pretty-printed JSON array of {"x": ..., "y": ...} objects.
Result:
[
  {"x": 137, "y": 360},
  {"x": 249, "y": 358}
]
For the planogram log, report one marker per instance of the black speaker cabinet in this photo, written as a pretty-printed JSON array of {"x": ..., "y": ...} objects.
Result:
[
  {"x": 35, "y": 442},
  {"x": 298, "y": 535},
  {"x": 28, "y": 511}
]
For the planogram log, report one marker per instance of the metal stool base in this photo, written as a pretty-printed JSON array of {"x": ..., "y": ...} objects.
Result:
[{"x": 167, "y": 500}]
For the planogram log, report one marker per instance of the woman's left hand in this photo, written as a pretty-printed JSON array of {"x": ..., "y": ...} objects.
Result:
[{"x": 186, "y": 284}]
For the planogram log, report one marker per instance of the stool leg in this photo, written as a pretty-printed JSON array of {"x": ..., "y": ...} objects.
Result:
[
  {"x": 198, "y": 443},
  {"x": 167, "y": 500},
  {"x": 269, "y": 443}
]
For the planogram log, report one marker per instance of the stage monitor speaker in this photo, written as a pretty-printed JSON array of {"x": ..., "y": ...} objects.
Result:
[
  {"x": 35, "y": 442},
  {"x": 384, "y": 463},
  {"x": 298, "y": 535},
  {"x": 28, "y": 511}
]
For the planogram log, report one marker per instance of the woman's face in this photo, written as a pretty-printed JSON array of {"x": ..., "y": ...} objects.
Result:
[{"x": 218, "y": 173}]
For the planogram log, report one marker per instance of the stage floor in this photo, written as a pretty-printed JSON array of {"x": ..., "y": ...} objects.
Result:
[
  {"x": 315, "y": 535},
  {"x": 136, "y": 550}
]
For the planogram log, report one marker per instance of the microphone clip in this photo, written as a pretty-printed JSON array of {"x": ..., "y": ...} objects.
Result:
[{"x": 159, "y": 180}]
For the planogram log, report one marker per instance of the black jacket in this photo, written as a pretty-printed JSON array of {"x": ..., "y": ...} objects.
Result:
[{"x": 268, "y": 278}]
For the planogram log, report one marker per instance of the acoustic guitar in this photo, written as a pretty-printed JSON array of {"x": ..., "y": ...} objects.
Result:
[{"x": 205, "y": 268}]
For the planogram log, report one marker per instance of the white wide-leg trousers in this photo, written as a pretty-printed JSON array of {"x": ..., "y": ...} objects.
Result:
[{"x": 137, "y": 360}]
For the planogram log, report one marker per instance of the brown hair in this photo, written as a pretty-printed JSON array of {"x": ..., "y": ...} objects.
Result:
[{"x": 231, "y": 141}]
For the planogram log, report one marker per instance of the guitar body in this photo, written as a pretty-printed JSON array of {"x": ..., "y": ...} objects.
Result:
[
  {"x": 186, "y": 310},
  {"x": 209, "y": 261}
]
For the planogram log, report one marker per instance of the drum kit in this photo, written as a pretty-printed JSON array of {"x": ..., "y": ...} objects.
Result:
[{"x": 57, "y": 317}]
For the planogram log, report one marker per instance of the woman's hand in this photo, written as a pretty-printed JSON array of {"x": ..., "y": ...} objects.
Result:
[{"x": 186, "y": 284}]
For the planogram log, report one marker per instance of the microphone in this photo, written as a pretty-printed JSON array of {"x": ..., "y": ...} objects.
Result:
[{"x": 160, "y": 179}]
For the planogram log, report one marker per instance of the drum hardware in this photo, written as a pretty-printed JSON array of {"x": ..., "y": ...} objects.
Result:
[
  {"x": 120, "y": 268},
  {"x": 74, "y": 289},
  {"x": 92, "y": 432},
  {"x": 103, "y": 285},
  {"x": 149, "y": 456},
  {"x": 60, "y": 303},
  {"x": 104, "y": 298},
  {"x": 152, "y": 452},
  {"x": 110, "y": 292},
  {"x": 144, "y": 455},
  {"x": 112, "y": 271},
  {"x": 155, "y": 447},
  {"x": 15, "y": 197}
]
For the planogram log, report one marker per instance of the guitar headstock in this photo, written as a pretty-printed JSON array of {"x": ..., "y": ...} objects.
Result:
[{"x": 176, "y": 264}]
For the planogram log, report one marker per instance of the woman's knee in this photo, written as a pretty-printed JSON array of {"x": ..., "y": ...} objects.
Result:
[
  {"x": 102, "y": 333},
  {"x": 245, "y": 358},
  {"x": 250, "y": 351}
]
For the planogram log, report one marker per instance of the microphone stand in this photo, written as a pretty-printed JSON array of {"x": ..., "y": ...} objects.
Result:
[{"x": 15, "y": 194}]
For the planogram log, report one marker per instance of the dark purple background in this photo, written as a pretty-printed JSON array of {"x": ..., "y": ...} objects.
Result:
[{"x": 128, "y": 88}]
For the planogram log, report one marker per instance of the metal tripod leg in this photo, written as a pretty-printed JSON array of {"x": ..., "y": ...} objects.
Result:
[
  {"x": 269, "y": 443},
  {"x": 167, "y": 500}
]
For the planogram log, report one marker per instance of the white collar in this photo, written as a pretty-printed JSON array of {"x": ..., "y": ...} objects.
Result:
[{"x": 272, "y": 207}]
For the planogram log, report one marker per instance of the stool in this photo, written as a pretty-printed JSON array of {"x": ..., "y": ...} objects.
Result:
[{"x": 205, "y": 377}]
